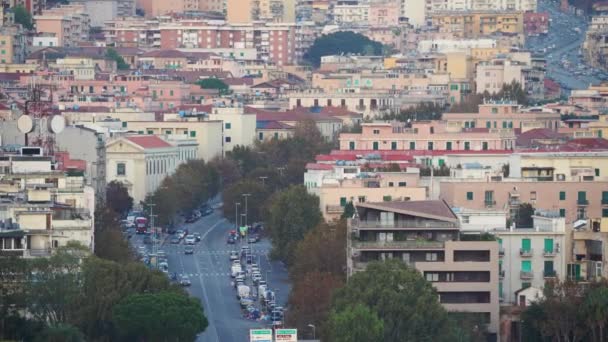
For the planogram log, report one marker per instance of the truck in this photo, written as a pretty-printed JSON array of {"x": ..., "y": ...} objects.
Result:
[
  {"x": 141, "y": 225},
  {"x": 235, "y": 270},
  {"x": 243, "y": 291}
]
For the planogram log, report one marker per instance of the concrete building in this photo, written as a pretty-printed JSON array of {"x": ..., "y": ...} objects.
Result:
[
  {"x": 69, "y": 23},
  {"x": 33, "y": 6},
  {"x": 361, "y": 101},
  {"x": 455, "y": 45},
  {"x": 481, "y": 5},
  {"x": 141, "y": 163},
  {"x": 595, "y": 47},
  {"x": 239, "y": 126},
  {"x": 351, "y": 13},
  {"x": 248, "y": 11},
  {"x": 384, "y": 14},
  {"x": 476, "y": 24},
  {"x": 536, "y": 23},
  {"x": 414, "y": 11},
  {"x": 425, "y": 235},
  {"x": 42, "y": 208},
  {"x": 155, "y": 8},
  {"x": 13, "y": 44},
  {"x": 101, "y": 11}
]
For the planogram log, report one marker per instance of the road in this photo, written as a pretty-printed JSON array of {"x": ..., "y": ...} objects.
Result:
[
  {"x": 208, "y": 269},
  {"x": 561, "y": 49}
]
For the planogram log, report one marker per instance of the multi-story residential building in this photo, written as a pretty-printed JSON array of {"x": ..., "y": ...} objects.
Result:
[
  {"x": 504, "y": 114},
  {"x": 43, "y": 208},
  {"x": 155, "y": 8},
  {"x": 353, "y": 13},
  {"x": 142, "y": 162},
  {"x": 101, "y": 11},
  {"x": 536, "y": 23},
  {"x": 69, "y": 23},
  {"x": 481, "y": 5},
  {"x": 415, "y": 11},
  {"x": 13, "y": 44},
  {"x": 239, "y": 126},
  {"x": 361, "y": 101},
  {"x": 455, "y": 45},
  {"x": 595, "y": 47},
  {"x": 425, "y": 235},
  {"x": 476, "y": 24},
  {"x": 337, "y": 185},
  {"x": 248, "y": 11},
  {"x": 384, "y": 14},
  {"x": 427, "y": 136},
  {"x": 492, "y": 75},
  {"x": 35, "y": 7}
]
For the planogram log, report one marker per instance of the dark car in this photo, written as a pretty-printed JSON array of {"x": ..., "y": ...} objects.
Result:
[
  {"x": 175, "y": 240},
  {"x": 189, "y": 250},
  {"x": 207, "y": 211},
  {"x": 171, "y": 230},
  {"x": 231, "y": 240},
  {"x": 147, "y": 240},
  {"x": 197, "y": 236},
  {"x": 191, "y": 219},
  {"x": 254, "y": 238}
]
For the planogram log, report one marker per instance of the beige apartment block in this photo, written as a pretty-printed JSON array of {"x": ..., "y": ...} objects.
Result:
[
  {"x": 69, "y": 23},
  {"x": 475, "y": 24},
  {"x": 425, "y": 235}
]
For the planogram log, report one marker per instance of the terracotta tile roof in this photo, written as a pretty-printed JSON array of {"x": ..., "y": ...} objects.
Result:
[
  {"x": 238, "y": 81},
  {"x": 316, "y": 166},
  {"x": 148, "y": 141},
  {"x": 272, "y": 125},
  {"x": 164, "y": 54},
  {"x": 438, "y": 210},
  {"x": 527, "y": 139}
]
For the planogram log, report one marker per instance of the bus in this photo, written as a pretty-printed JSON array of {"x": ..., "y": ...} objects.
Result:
[{"x": 141, "y": 225}]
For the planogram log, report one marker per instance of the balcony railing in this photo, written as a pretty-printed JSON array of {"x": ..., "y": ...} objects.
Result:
[
  {"x": 501, "y": 274},
  {"x": 334, "y": 209},
  {"x": 414, "y": 244},
  {"x": 490, "y": 203},
  {"x": 582, "y": 202},
  {"x": 526, "y": 275},
  {"x": 501, "y": 250},
  {"x": 549, "y": 252},
  {"x": 605, "y": 201},
  {"x": 549, "y": 274},
  {"x": 402, "y": 224},
  {"x": 38, "y": 252},
  {"x": 526, "y": 252}
]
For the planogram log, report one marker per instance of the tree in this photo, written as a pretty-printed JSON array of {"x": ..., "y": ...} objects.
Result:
[
  {"x": 291, "y": 213},
  {"x": 110, "y": 242},
  {"x": 400, "y": 297},
  {"x": 214, "y": 83},
  {"x": 255, "y": 203},
  {"x": 23, "y": 17},
  {"x": 118, "y": 198},
  {"x": 349, "y": 210},
  {"x": 510, "y": 91},
  {"x": 60, "y": 333},
  {"x": 423, "y": 111},
  {"x": 524, "y": 216},
  {"x": 159, "y": 317},
  {"x": 356, "y": 324},
  {"x": 341, "y": 42},
  {"x": 115, "y": 56},
  {"x": 595, "y": 311}
]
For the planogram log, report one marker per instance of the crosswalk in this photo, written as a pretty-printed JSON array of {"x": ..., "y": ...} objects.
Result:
[
  {"x": 222, "y": 252},
  {"x": 205, "y": 274}
]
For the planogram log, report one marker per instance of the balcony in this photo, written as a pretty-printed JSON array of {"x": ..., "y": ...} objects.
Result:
[
  {"x": 526, "y": 253},
  {"x": 501, "y": 274},
  {"x": 549, "y": 274},
  {"x": 364, "y": 224},
  {"x": 582, "y": 201},
  {"x": 398, "y": 245},
  {"x": 514, "y": 202},
  {"x": 360, "y": 107},
  {"x": 501, "y": 251},
  {"x": 37, "y": 253},
  {"x": 524, "y": 275},
  {"x": 488, "y": 203},
  {"x": 604, "y": 201},
  {"x": 549, "y": 253},
  {"x": 334, "y": 209}
]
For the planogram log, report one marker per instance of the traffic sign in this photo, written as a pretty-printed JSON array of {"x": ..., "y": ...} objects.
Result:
[
  {"x": 260, "y": 335},
  {"x": 243, "y": 230},
  {"x": 286, "y": 335}
]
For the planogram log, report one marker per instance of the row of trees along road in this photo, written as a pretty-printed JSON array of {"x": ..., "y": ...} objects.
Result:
[{"x": 110, "y": 296}]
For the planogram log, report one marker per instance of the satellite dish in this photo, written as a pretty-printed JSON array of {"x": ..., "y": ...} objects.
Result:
[
  {"x": 25, "y": 124},
  {"x": 57, "y": 124}
]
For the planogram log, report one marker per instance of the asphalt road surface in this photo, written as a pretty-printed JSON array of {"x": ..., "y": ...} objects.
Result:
[{"x": 208, "y": 270}]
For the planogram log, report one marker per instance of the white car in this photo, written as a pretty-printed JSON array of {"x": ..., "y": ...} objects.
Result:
[
  {"x": 234, "y": 256},
  {"x": 190, "y": 240}
]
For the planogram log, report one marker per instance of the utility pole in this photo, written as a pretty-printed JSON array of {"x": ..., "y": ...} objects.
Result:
[
  {"x": 263, "y": 178},
  {"x": 246, "y": 212},
  {"x": 151, "y": 205},
  {"x": 236, "y": 217}
]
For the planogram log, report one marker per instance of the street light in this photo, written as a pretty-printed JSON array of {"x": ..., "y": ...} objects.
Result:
[
  {"x": 263, "y": 178},
  {"x": 236, "y": 215},
  {"x": 314, "y": 331}
]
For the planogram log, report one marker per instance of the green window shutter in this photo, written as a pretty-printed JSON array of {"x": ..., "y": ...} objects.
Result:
[
  {"x": 562, "y": 213},
  {"x": 342, "y": 201},
  {"x": 469, "y": 196},
  {"x": 412, "y": 145},
  {"x": 484, "y": 146},
  {"x": 549, "y": 245},
  {"x": 393, "y": 145},
  {"x": 124, "y": 124},
  {"x": 430, "y": 147},
  {"x": 351, "y": 145},
  {"x": 467, "y": 145},
  {"x": 500, "y": 290},
  {"x": 150, "y": 131},
  {"x": 171, "y": 92},
  {"x": 488, "y": 124},
  {"x": 375, "y": 145},
  {"x": 604, "y": 212},
  {"x": 441, "y": 162},
  {"x": 448, "y": 145},
  {"x": 228, "y": 125},
  {"x": 597, "y": 172},
  {"x": 466, "y": 124},
  {"x": 526, "y": 266},
  {"x": 549, "y": 270},
  {"x": 526, "y": 244},
  {"x": 504, "y": 124},
  {"x": 167, "y": 132},
  {"x": 562, "y": 195},
  {"x": 140, "y": 132},
  {"x": 510, "y": 124},
  {"x": 604, "y": 197},
  {"x": 193, "y": 134},
  {"x": 387, "y": 198}
]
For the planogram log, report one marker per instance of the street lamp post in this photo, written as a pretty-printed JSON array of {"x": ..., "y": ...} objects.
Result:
[
  {"x": 152, "y": 205},
  {"x": 246, "y": 212},
  {"x": 247, "y": 234},
  {"x": 263, "y": 178},
  {"x": 236, "y": 217},
  {"x": 314, "y": 331}
]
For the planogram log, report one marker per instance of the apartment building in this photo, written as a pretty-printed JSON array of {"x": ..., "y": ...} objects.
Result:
[
  {"x": 33, "y": 6},
  {"x": 141, "y": 162},
  {"x": 13, "y": 44},
  {"x": 101, "y": 11},
  {"x": 239, "y": 126},
  {"x": 42, "y": 208},
  {"x": 384, "y": 14},
  {"x": 69, "y": 23},
  {"x": 492, "y": 75},
  {"x": 425, "y": 235},
  {"x": 595, "y": 46},
  {"x": 360, "y": 101},
  {"x": 504, "y": 114},
  {"x": 248, "y": 11},
  {"x": 352, "y": 13},
  {"x": 427, "y": 136},
  {"x": 338, "y": 185},
  {"x": 155, "y": 8},
  {"x": 481, "y": 5},
  {"x": 536, "y": 23},
  {"x": 476, "y": 24}
]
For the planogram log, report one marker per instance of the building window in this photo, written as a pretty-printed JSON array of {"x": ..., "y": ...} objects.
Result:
[
  {"x": 562, "y": 195},
  {"x": 448, "y": 145},
  {"x": 533, "y": 195},
  {"x": 351, "y": 145},
  {"x": 467, "y": 145},
  {"x": 121, "y": 169},
  {"x": 228, "y": 139},
  {"x": 393, "y": 145},
  {"x": 193, "y": 134},
  {"x": 431, "y": 257},
  {"x": 526, "y": 266},
  {"x": 171, "y": 92},
  {"x": 376, "y": 131},
  {"x": 489, "y": 198},
  {"x": 465, "y": 219},
  {"x": 261, "y": 136},
  {"x": 582, "y": 197},
  {"x": 597, "y": 172},
  {"x": 484, "y": 146},
  {"x": 549, "y": 245},
  {"x": 604, "y": 212},
  {"x": 549, "y": 271},
  {"x": 375, "y": 145},
  {"x": 361, "y": 199},
  {"x": 562, "y": 213},
  {"x": 432, "y": 276},
  {"x": 124, "y": 124},
  {"x": 387, "y": 198},
  {"x": 494, "y": 110},
  {"x": 228, "y": 125},
  {"x": 526, "y": 245},
  {"x": 342, "y": 201},
  {"x": 391, "y": 184},
  {"x": 430, "y": 147},
  {"x": 402, "y": 184},
  {"x": 168, "y": 132},
  {"x": 150, "y": 132},
  {"x": 412, "y": 145},
  {"x": 469, "y": 195},
  {"x": 488, "y": 124}
]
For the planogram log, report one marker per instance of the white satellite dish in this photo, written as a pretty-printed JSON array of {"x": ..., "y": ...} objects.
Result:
[
  {"x": 25, "y": 124},
  {"x": 57, "y": 124}
]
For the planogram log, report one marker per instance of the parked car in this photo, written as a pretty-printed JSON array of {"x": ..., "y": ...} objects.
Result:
[
  {"x": 179, "y": 233},
  {"x": 197, "y": 236},
  {"x": 254, "y": 238},
  {"x": 175, "y": 240},
  {"x": 189, "y": 250},
  {"x": 147, "y": 240},
  {"x": 231, "y": 240},
  {"x": 234, "y": 256},
  {"x": 191, "y": 219},
  {"x": 207, "y": 211},
  {"x": 190, "y": 240},
  {"x": 185, "y": 281},
  {"x": 171, "y": 230}
]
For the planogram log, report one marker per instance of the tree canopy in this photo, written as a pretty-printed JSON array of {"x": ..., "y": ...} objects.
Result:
[
  {"x": 23, "y": 17},
  {"x": 509, "y": 91},
  {"x": 341, "y": 42},
  {"x": 356, "y": 324},
  {"x": 421, "y": 112},
  {"x": 120, "y": 61},
  {"x": 255, "y": 203},
  {"x": 118, "y": 198},
  {"x": 214, "y": 83}
]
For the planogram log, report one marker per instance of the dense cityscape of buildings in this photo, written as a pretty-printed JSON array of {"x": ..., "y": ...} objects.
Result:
[{"x": 125, "y": 78}]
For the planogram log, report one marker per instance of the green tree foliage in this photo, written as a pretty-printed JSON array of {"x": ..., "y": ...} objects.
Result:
[
  {"x": 115, "y": 56},
  {"x": 423, "y": 111},
  {"x": 214, "y": 83},
  {"x": 349, "y": 210},
  {"x": 60, "y": 333},
  {"x": 255, "y": 203},
  {"x": 291, "y": 213},
  {"x": 118, "y": 198},
  {"x": 163, "y": 316},
  {"x": 23, "y": 17},
  {"x": 341, "y": 42},
  {"x": 509, "y": 91},
  {"x": 524, "y": 216},
  {"x": 401, "y": 298},
  {"x": 356, "y": 324},
  {"x": 110, "y": 242}
]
